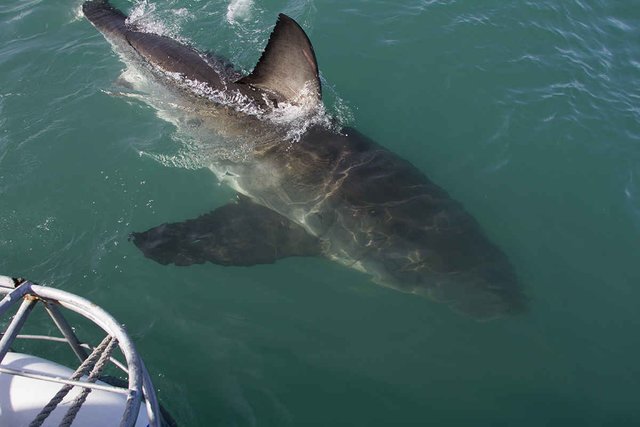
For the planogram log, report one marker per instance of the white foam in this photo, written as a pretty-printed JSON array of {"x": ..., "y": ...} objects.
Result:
[
  {"x": 144, "y": 18},
  {"x": 296, "y": 117},
  {"x": 233, "y": 99},
  {"x": 239, "y": 10},
  {"x": 140, "y": 10},
  {"x": 184, "y": 160},
  {"x": 78, "y": 14}
]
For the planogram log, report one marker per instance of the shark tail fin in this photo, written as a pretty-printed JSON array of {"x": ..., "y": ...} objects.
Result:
[{"x": 288, "y": 65}]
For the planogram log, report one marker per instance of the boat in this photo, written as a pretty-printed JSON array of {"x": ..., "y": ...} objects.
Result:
[{"x": 38, "y": 391}]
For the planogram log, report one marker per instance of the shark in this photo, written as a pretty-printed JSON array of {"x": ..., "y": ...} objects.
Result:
[{"x": 323, "y": 190}]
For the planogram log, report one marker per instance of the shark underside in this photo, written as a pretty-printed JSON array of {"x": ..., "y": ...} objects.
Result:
[{"x": 332, "y": 193}]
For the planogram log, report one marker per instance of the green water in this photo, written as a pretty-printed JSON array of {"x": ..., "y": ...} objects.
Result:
[{"x": 527, "y": 112}]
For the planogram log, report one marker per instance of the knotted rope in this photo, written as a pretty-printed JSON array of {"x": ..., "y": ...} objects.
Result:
[{"x": 102, "y": 353}]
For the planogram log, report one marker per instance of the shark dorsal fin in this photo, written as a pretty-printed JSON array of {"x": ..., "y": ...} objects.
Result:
[{"x": 288, "y": 65}]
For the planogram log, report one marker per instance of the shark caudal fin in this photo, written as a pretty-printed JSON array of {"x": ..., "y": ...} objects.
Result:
[{"x": 288, "y": 66}]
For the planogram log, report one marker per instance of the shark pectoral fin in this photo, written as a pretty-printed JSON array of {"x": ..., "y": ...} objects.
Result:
[
  {"x": 242, "y": 234},
  {"x": 288, "y": 65}
]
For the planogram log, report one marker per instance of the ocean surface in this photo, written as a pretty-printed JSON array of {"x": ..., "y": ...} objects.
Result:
[{"x": 527, "y": 112}]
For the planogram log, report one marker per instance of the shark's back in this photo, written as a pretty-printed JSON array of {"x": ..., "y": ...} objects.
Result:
[
  {"x": 377, "y": 212},
  {"x": 106, "y": 18}
]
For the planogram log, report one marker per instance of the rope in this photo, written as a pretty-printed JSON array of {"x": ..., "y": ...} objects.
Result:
[
  {"x": 79, "y": 373},
  {"x": 93, "y": 376}
]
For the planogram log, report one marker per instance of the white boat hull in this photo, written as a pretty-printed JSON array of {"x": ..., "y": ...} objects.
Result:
[{"x": 21, "y": 398}]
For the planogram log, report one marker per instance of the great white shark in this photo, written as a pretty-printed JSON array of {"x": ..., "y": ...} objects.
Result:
[{"x": 327, "y": 192}]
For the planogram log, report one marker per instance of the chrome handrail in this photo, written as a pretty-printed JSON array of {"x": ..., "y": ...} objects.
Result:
[{"x": 28, "y": 294}]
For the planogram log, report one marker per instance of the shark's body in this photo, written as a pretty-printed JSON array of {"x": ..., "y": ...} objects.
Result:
[{"x": 330, "y": 193}]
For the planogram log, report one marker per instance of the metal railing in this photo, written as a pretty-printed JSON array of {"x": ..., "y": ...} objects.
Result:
[{"x": 139, "y": 387}]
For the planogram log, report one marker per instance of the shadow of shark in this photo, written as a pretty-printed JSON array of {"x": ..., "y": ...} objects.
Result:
[{"x": 332, "y": 193}]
